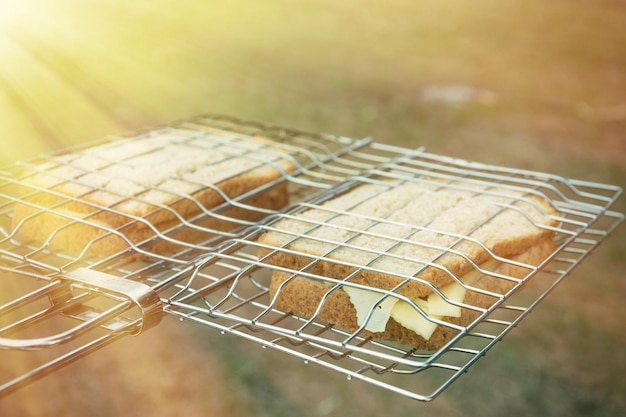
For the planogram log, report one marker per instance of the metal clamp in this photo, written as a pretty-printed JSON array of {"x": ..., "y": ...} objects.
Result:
[
  {"x": 60, "y": 293},
  {"x": 142, "y": 295}
]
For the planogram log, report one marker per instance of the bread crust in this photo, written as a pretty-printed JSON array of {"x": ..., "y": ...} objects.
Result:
[
  {"x": 500, "y": 236},
  {"x": 519, "y": 232},
  {"x": 72, "y": 217},
  {"x": 303, "y": 296}
]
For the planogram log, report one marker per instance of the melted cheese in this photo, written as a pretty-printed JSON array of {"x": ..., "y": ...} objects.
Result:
[
  {"x": 404, "y": 313},
  {"x": 364, "y": 301}
]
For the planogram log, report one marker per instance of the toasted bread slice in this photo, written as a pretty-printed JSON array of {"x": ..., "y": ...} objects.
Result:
[
  {"x": 415, "y": 239},
  {"x": 107, "y": 198}
]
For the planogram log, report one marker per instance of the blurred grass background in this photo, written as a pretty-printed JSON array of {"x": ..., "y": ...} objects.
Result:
[{"x": 524, "y": 83}]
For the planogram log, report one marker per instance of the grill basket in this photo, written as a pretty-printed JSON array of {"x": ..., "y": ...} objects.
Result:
[{"x": 57, "y": 306}]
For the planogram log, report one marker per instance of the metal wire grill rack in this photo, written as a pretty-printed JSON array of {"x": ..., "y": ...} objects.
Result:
[
  {"x": 231, "y": 289},
  {"x": 55, "y": 232},
  {"x": 203, "y": 264}
]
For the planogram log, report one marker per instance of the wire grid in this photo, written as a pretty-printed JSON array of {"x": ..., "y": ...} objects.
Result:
[
  {"x": 33, "y": 316},
  {"x": 215, "y": 278},
  {"x": 230, "y": 289}
]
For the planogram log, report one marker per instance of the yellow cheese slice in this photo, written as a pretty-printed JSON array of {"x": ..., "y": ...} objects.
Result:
[
  {"x": 439, "y": 306},
  {"x": 456, "y": 292},
  {"x": 364, "y": 301},
  {"x": 404, "y": 313}
]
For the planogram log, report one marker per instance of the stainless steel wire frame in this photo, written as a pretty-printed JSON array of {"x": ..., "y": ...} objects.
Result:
[
  {"x": 50, "y": 311},
  {"x": 229, "y": 289},
  {"x": 217, "y": 280}
]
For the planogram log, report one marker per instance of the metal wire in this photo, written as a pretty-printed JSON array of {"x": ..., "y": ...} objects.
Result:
[
  {"x": 230, "y": 291},
  {"x": 202, "y": 264}
]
